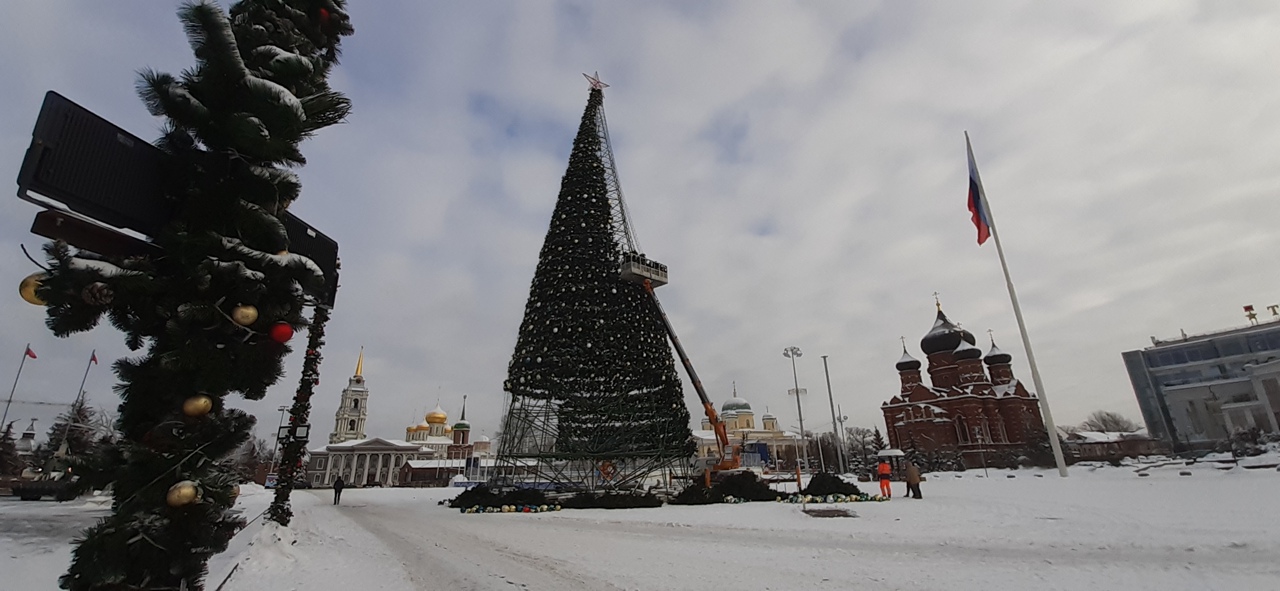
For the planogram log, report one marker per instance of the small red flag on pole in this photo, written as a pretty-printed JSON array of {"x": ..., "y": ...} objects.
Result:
[
  {"x": 30, "y": 353},
  {"x": 93, "y": 358}
]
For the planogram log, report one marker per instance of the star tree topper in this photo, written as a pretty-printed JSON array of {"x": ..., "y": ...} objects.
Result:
[{"x": 595, "y": 82}]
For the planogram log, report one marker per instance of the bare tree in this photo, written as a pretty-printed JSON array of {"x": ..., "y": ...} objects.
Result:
[
  {"x": 103, "y": 425},
  {"x": 1107, "y": 421},
  {"x": 861, "y": 445},
  {"x": 253, "y": 453}
]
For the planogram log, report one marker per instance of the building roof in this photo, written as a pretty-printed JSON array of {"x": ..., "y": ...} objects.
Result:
[
  {"x": 709, "y": 436},
  {"x": 907, "y": 362},
  {"x": 1272, "y": 325},
  {"x": 967, "y": 350},
  {"x": 437, "y": 416},
  {"x": 945, "y": 336},
  {"x": 451, "y": 463},
  {"x": 1106, "y": 436},
  {"x": 370, "y": 442},
  {"x": 995, "y": 356},
  {"x": 735, "y": 403}
]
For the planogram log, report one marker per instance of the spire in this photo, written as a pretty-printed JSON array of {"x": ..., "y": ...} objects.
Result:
[
  {"x": 360, "y": 364},
  {"x": 464, "y": 407},
  {"x": 735, "y": 388},
  {"x": 937, "y": 302}
]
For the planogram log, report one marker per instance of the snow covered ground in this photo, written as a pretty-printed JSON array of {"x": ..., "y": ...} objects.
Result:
[{"x": 1102, "y": 528}]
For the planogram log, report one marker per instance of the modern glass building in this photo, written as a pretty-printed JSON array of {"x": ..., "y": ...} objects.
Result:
[{"x": 1196, "y": 390}]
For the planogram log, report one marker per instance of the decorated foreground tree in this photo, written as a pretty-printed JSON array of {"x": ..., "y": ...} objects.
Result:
[
  {"x": 213, "y": 308},
  {"x": 596, "y": 399}
]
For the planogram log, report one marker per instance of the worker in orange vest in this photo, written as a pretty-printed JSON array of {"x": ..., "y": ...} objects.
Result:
[{"x": 884, "y": 471}]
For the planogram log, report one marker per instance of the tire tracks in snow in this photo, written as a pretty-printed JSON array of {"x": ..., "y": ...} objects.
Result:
[{"x": 438, "y": 554}]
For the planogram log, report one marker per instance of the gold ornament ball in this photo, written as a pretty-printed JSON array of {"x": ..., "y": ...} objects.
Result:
[
  {"x": 28, "y": 288},
  {"x": 197, "y": 406},
  {"x": 282, "y": 253},
  {"x": 244, "y": 315},
  {"x": 182, "y": 494}
]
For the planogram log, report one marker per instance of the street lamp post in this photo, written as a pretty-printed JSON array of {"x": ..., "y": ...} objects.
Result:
[
  {"x": 792, "y": 353},
  {"x": 834, "y": 421}
]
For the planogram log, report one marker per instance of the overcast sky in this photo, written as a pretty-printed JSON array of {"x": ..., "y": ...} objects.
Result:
[{"x": 799, "y": 166}]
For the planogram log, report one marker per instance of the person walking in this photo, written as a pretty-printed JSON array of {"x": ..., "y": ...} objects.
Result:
[
  {"x": 884, "y": 471},
  {"x": 338, "y": 485},
  {"x": 913, "y": 481}
]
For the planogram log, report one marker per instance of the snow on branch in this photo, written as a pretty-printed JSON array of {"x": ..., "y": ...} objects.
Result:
[
  {"x": 103, "y": 268},
  {"x": 239, "y": 268},
  {"x": 276, "y": 94},
  {"x": 287, "y": 260}
]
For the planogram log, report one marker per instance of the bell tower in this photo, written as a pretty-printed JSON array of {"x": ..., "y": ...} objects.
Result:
[{"x": 353, "y": 410}]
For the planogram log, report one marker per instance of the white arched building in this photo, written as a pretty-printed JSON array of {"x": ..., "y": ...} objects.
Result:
[{"x": 376, "y": 461}]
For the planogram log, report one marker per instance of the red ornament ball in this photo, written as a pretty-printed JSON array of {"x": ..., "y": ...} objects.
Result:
[{"x": 281, "y": 332}]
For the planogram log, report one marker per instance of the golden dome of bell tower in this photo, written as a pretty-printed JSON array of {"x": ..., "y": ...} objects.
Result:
[{"x": 437, "y": 416}]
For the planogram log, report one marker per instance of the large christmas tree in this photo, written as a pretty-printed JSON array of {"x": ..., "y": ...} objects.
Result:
[
  {"x": 592, "y": 377},
  {"x": 214, "y": 308}
]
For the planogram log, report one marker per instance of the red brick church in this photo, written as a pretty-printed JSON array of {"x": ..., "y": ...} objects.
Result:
[{"x": 969, "y": 409}]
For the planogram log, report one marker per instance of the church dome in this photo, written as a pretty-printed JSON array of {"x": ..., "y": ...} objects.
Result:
[
  {"x": 482, "y": 439},
  {"x": 996, "y": 357},
  {"x": 462, "y": 425},
  {"x": 423, "y": 426},
  {"x": 945, "y": 336},
  {"x": 437, "y": 416},
  {"x": 965, "y": 350},
  {"x": 907, "y": 363},
  {"x": 736, "y": 404}
]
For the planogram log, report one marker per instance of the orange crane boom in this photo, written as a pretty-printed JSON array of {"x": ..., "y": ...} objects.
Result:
[{"x": 729, "y": 459}]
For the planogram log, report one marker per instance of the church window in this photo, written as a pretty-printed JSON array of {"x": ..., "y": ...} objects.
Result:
[
  {"x": 962, "y": 429},
  {"x": 355, "y": 404},
  {"x": 351, "y": 425}
]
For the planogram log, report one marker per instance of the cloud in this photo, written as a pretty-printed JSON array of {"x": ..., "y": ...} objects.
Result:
[{"x": 800, "y": 167}]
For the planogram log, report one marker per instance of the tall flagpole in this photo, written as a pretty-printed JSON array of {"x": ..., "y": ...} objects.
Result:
[
  {"x": 93, "y": 358},
  {"x": 15, "y": 384},
  {"x": 1022, "y": 326}
]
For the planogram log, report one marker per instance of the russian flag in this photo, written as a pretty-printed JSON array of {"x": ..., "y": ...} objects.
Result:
[{"x": 977, "y": 198}]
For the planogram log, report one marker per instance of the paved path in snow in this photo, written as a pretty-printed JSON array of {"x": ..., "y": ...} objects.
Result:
[{"x": 971, "y": 534}]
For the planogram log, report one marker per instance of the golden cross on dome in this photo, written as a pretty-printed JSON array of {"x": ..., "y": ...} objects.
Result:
[
  {"x": 904, "y": 342},
  {"x": 936, "y": 301},
  {"x": 595, "y": 82},
  {"x": 992, "y": 334}
]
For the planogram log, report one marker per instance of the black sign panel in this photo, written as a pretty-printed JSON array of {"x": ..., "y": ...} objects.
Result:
[{"x": 98, "y": 170}]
